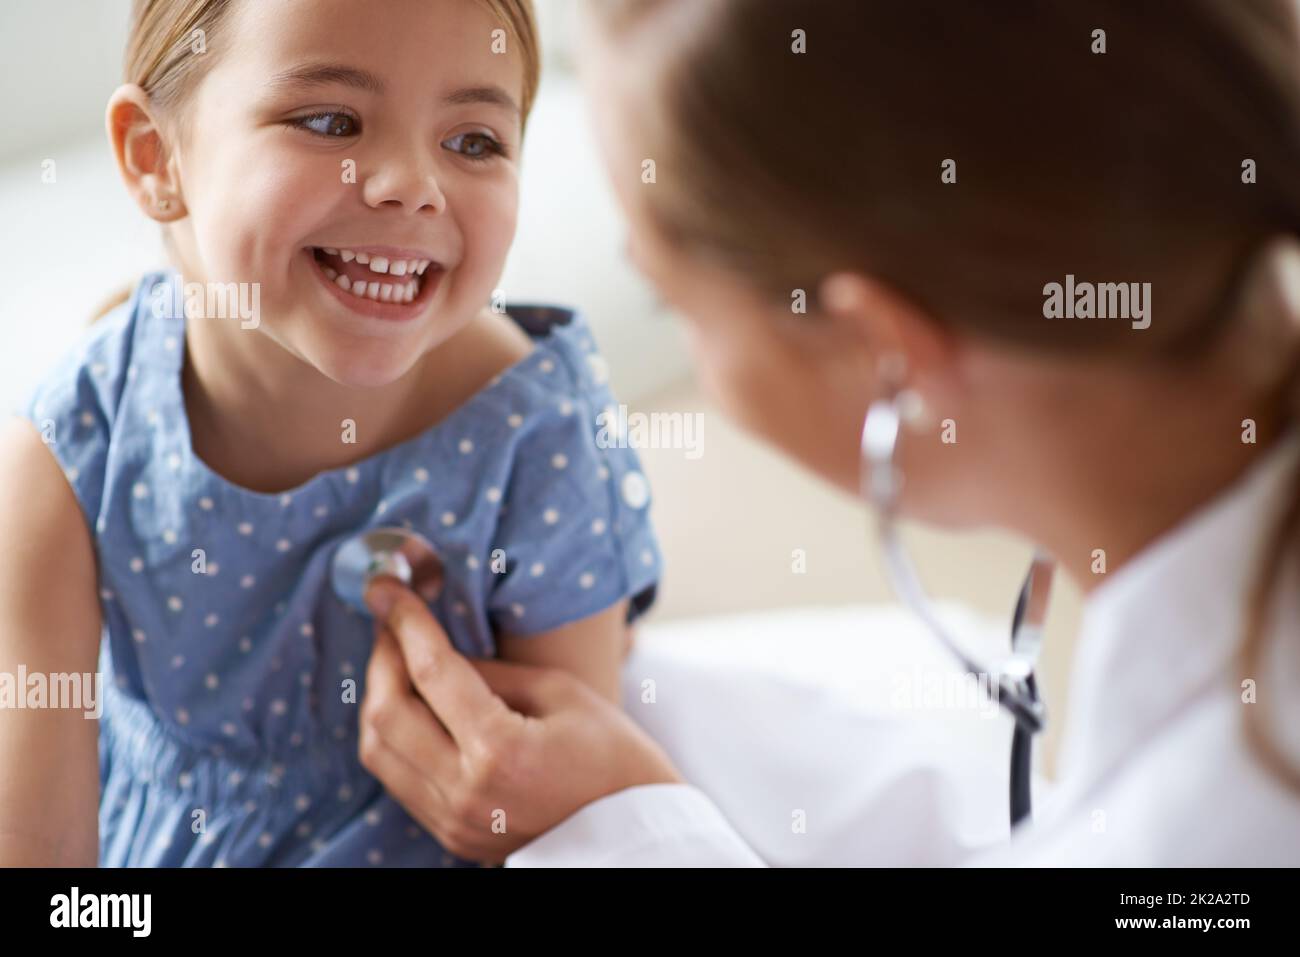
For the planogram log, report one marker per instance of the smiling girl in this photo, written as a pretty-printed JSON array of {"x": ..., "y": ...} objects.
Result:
[{"x": 184, "y": 478}]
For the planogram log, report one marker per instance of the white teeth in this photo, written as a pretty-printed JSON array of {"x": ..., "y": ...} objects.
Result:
[
  {"x": 402, "y": 292},
  {"x": 383, "y": 265}
]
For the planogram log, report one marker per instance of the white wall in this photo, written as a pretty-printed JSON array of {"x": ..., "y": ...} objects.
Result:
[{"x": 59, "y": 60}]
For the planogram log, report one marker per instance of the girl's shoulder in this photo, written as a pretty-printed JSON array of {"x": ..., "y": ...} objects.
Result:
[
  {"x": 557, "y": 395},
  {"x": 565, "y": 363},
  {"x": 575, "y": 503}
]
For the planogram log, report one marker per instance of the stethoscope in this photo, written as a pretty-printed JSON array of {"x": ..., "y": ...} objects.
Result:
[
  {"x": 1016, "y": 690},
  {"x": 388, "y": 550},
  {"x": 409, "y": 557}
]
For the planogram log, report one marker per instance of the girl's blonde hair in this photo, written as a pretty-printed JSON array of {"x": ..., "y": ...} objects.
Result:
[
  {"x": 1122, "y": 160},
  {"x": 160, "y": 58},
  {"x": 163, "y": 36}
]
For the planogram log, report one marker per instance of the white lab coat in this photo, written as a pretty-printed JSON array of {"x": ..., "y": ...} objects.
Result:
[{"x": 1154, "y": 767}]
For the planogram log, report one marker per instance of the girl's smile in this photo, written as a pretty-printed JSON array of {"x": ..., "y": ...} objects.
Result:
[{"x": 379, "y": 282}]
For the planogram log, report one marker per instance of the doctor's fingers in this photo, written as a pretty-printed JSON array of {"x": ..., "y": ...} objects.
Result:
[
  {"x": 444, "y": 678},
  {"x": 460, "y": 788},
  {"x": 530, "y": 689},
  {"x": 408, "y": 786},
  {"x": 392, "y": 718},
  {"x": 454, "y": 811},
  {"x": 417, "y": 772}
]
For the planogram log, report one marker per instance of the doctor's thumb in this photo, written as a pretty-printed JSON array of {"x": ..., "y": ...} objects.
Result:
[{"x": 381, "y": 594}]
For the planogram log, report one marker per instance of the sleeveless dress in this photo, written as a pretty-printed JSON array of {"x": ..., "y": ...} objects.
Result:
[{"x": 232, "y": 672}]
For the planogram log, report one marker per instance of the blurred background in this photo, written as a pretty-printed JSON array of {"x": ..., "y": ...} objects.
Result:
[{"x": 731, "y": 520}]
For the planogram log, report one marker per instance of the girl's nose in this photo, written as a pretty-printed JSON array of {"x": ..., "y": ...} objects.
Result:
[{"x": 410, "y": 182}]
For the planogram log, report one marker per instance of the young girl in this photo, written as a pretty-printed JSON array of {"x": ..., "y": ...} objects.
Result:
[{"x": 338, "y": 185}]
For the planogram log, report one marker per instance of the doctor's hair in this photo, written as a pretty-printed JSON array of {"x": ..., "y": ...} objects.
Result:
[
  {"x": 161, "y": 59},
  {"x": 1131, "y": 139}
]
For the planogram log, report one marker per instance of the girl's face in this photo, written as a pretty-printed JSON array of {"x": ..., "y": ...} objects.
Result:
[{"x": 383, "y": 135}]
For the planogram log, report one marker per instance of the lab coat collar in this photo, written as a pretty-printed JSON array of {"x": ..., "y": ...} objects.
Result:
[{"x": 1164, "y": 628}]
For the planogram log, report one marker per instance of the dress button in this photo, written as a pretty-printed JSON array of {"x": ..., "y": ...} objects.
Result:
[{"x": 636, "y": 490}]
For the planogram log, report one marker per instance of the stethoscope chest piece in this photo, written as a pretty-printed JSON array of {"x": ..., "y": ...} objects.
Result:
[{"x": 399, "y": 552}]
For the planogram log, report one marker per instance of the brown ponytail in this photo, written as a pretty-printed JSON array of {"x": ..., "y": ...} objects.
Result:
[
  {"x": 1282, "y": 549},
  {"x": 1280, "y": 554},
  {"x": 111, "y": 302}
]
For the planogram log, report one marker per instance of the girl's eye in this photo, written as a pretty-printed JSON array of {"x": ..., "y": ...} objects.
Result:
[
  {"x": 327, "y": 124},
  {"x": 475, "y": 146}
]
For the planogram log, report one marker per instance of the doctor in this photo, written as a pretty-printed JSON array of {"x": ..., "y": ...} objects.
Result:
[{"x": 931, "y": 179}]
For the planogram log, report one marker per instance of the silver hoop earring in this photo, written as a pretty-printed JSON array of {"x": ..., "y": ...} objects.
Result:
[{"x": 881, "y": 481}]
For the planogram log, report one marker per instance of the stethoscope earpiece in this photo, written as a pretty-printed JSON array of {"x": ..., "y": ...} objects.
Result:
[{"x": 399, "y": 552}]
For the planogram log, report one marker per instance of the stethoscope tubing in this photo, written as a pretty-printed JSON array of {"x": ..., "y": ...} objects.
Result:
[{"x": 1015, "y": 689}]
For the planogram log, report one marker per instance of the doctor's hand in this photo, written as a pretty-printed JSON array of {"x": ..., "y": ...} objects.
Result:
[{"x": 487, "y": 755}]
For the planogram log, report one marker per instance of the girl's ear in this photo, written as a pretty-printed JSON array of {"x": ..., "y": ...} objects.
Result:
[{"x": 143, "y": 155}]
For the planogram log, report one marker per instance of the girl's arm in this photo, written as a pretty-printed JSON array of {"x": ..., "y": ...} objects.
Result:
[
  {"x": 49, "y": 625},
  {"x": 591, "y": 648}
]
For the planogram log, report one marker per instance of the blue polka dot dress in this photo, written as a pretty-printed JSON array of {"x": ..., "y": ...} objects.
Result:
[{"x": 232, "y": 673}]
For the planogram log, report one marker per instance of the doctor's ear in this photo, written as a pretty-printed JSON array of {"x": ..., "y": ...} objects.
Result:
[
  {"x": 888, "y": 324},
  {"x": 143, "y": 153}
]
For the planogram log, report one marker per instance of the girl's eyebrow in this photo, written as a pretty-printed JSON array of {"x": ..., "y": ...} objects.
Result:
[
  {"x": 491, "y": 95},
  {"x": 316, "y": 74}
]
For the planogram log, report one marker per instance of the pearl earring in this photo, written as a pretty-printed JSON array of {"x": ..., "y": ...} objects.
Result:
[{"x": 164, "y": 204}]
